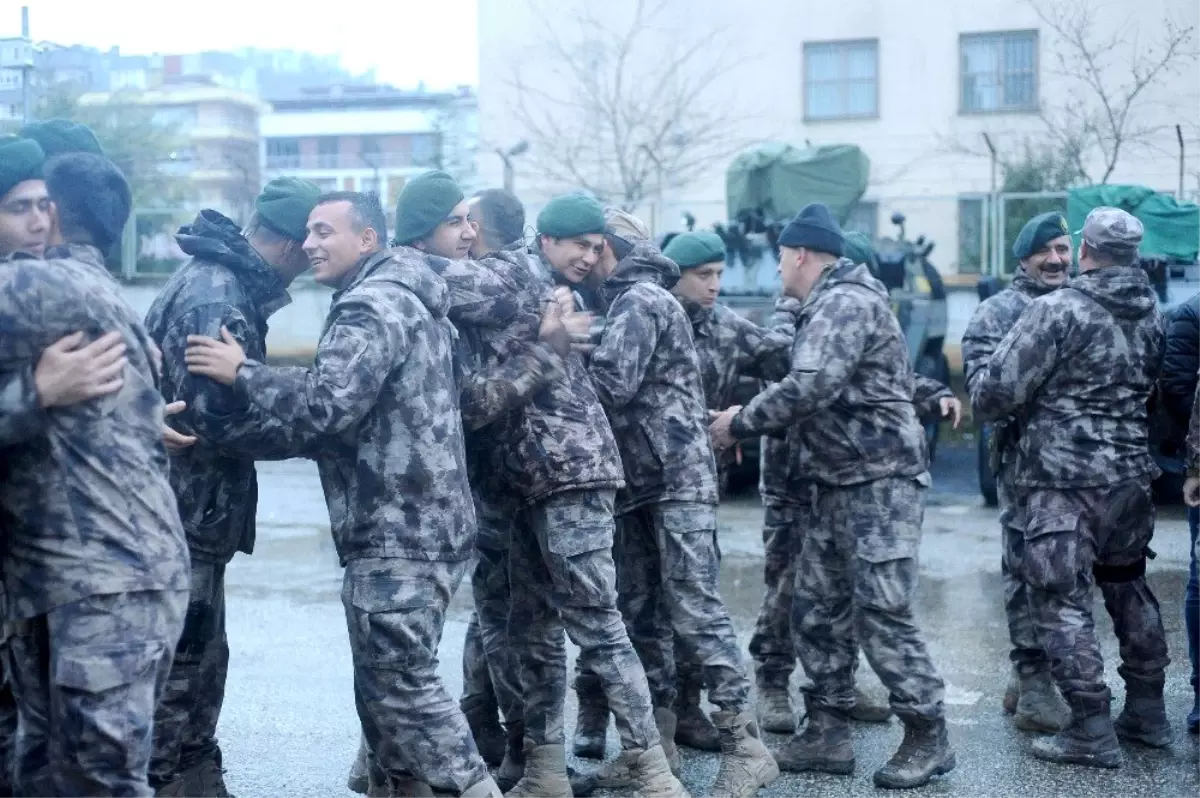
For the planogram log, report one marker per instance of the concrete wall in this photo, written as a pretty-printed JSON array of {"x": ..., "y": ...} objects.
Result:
[{"x": 294, "y": 330}]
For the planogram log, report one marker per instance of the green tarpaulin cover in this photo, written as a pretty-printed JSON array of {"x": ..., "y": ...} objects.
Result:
[
  {"x": 1172, "y": 228},
  {"x": 781, "y": 179}
]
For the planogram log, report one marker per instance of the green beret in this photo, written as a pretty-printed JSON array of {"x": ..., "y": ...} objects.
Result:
[
  {"x": 571, "y": 215},
  {"x": 690, "y": 250},
  {"x": 424, "y": 203},
  {"x": 857, "y": 247},
  {"x": 58, "y": 136},
  {"x": 284, "y": 206},
  {"x": 20, "y": 160},
  {"x": 1038, "y": 231}
]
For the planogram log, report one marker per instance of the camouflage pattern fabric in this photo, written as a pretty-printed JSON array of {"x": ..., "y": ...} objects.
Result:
[
  {"x": 395, "y": 611},
  {"x": 185, "y": 723},
  {"x": 1192, "y": 455},
  {"x": 647, "y": 376},
  {"x": 731, "y": 346},
  {"x": 563, "y": 576},
  {"x": 847, "y": 403},
  {"x": 1074, "y": 537},
  {"x": 856, "y": 577},
  {"x": 21, "y": 415},
  {"x": 383, "y": 401},
  {"x": 991, "y": 321},
  {"x": 120, "y": 530},
  {"x": 772, "y": 645},
  {"x": 87, "y": 676},
  {"x": 225, "y": 284},
  {"x": 1079, "y": 366},
  {"x": 667, "y": 582},
  {"x": 493, "y": 601}
]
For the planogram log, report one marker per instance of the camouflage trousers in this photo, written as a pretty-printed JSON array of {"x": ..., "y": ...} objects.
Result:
[
  {"x": 395, "y": 611},
  {"x": 563, "y": 576},
  {"x": 1027, "y": 653},
  {"x": 856, "y": 576},
  {"x": 87, "y": 677},
  {"x": 1074, "y": 538},
  {"x": 493, "y": 601},
  {"x": 477, "y": 677},
  {"x": 772, "y": 645},
  {"x": 667, "y": 578},
  {"x": 185, "y": 724}
]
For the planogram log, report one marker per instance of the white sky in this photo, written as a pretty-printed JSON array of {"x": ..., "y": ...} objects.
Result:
[{"x": 406, "y": 41}]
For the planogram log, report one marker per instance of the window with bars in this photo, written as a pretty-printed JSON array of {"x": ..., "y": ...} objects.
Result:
[
  {"x": 998, "y": 72},
  {"x": 841, "y": 80}
]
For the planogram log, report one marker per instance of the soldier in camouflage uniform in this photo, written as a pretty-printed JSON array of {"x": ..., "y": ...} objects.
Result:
[
  {"x": 1078, "y": 367},
  {"x": 647, "y": 375},
  {"x": 234, "y": 280},
  {"x": 1191, "y": 485},
  {"x": 1044, "y": 248},
  {"x": 847, "y": 404},
  {"x": 381, "y": 401},
  {"x": 730, "y": 347},
  {"x": 97, "y": 587}
]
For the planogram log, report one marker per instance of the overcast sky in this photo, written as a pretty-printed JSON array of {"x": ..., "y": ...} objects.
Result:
[{"x": 406, "y": 41}]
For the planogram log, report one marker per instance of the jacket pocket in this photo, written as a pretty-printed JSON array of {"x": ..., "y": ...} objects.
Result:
[
  {"x": 104, "y": 690},
  {"x": 396, "y": 623},
  {"x": 1052, "y": 551}
]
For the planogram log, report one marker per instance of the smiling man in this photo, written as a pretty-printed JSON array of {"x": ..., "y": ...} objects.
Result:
[
  {"x": 235, "y": 280},
  {"x": 570, "y": 240},
  {"x": 382, "y": 401},
  {"x": 1044, "y": 249},
  {"x": 432, "y": 216}
]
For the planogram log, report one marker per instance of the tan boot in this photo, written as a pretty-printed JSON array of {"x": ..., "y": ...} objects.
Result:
[
  {"x": 484, "y": 789},
  {"x": 665, "y": 720},
  {"x": 545, "y": 774},
  {"x": 746, "y": 764},
  {"x": 651, "y": 776}
]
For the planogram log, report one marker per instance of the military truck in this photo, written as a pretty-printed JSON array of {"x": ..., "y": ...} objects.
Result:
[
  {"x": 1168, "y": 253},
  {"x": 768, "y": 185}
]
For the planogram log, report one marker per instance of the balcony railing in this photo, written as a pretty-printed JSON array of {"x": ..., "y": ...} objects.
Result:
[{"x": 346, "y": 161}]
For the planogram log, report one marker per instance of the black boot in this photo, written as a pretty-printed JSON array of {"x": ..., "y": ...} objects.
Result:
[
  {"x": 1089, "y": 739},
  {"x": 692, "y": 725},
  {"x": 591, "y": 726},
  {"x": 924, "y": 753},
  {"x": 484, "y": 719},
  {"x": 824, "y": 746},
  {"x": 1144, "y": 718}
]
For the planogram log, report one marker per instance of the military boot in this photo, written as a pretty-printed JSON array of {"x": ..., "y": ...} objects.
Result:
[
  {"x": 378, "y": 783},
  {"x": 1089, "y": 738},
  {"x": 484, "y": 720},
  {"x": 1144, "y": 717},
  {"x": 591, "y": 726},
  {"x": 1040, "y": 707},
  {"x": 665, "y": 720},
  {"x": 358, "y": 781},
  {"x": 408, "y": 787},
  {"x": 484, "y": 789},
  {"x": 775, "y": 711},
  {"x": 545, "y": 773},
  {"x": 693, "y": 728},
  {"x": 513, "y": 766},
  {"x": 205, "y": 779},
  {"x": 651, "y": 776},
  {"x": 1012, "y": 693},
  {"x": 746, "y": 764},
  {"x": 823, "y": 746},
  {"x": 924, "y": 753},
  {"x": 865, "y": 710}
]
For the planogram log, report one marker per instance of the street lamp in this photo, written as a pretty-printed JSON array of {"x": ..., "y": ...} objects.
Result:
[{"x": 520, "y": 148}]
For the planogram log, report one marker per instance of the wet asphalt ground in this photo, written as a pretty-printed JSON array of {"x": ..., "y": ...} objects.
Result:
[{"x": 289, "y": 727}]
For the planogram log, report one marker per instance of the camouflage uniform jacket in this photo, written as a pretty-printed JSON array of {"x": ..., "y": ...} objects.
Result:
[
  {"x": 848, "y": 398},
  {"x": 1079, "y": 366},
  {"x": 383, "y": 399},
  {"x": 647, "y": 374},
  {"x": 21, "y": 414},
  {"x": 91, "y": 510},
  {"x": 1193, "y": 439},
  {"x": 992, "y": 320},
  {"x": 225, "y": 284}
]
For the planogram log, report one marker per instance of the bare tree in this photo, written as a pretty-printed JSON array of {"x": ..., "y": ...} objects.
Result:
[
  {"x": 634, "y": 109},
  {"x": 1099, "y": 120}
]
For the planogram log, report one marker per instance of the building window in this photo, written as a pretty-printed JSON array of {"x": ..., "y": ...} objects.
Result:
[
  {"x": 998, "y": 72},
  {"x": 283, "y": 153},
  {"x": 972, "y": 234},
  {"x": 327, "y": 152},
  {"x": 863, "y": 218},
  {"x": 841, "y": 80}
]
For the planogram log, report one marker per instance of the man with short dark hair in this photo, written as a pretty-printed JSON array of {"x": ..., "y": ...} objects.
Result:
[
  {"x": 234, "y": 281},
  {"x": 1077, "y": 369},
  {"x": 850, "y": 390},
  {"x": 570, "y": 241},
  {"x": 499, "y": 220},
  {"x": 1044, "y": 249},
  {"x": 96, "y": 563},
  {"x": 381, "y": 402}
]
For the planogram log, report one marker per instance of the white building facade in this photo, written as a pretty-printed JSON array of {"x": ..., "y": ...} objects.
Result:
[{"x": 915, "y": 85}]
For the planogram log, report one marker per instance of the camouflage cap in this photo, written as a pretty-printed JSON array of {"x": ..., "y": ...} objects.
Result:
[
  {"x": 1113, "y": 231},
  {"x": 625, "y": 225}
]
